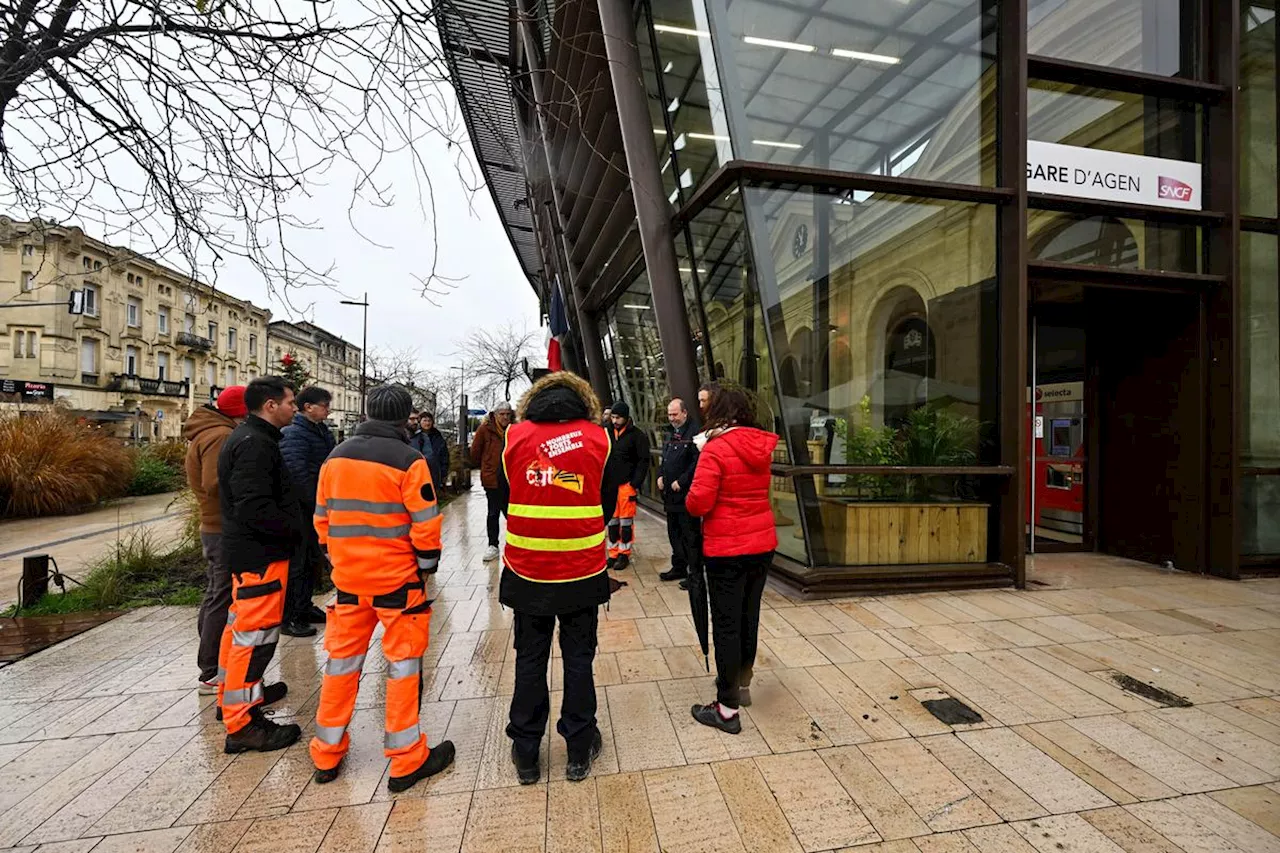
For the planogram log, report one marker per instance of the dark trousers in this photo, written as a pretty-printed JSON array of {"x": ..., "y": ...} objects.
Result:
[
  {"x": 303, "y": 568},
  {"x": 735, "y": 586},
  {"x": 212, "y": 617},
  {"x": 531, "y": 703},
  {"x": 497, "y": 499},
  {"x": 685, "y": 534}
]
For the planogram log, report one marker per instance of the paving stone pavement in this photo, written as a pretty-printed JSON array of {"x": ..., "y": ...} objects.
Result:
[{"x": 106, "y": 747}]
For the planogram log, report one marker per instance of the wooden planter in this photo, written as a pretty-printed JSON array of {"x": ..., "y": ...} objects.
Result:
[{"x": 876, "y": 534}]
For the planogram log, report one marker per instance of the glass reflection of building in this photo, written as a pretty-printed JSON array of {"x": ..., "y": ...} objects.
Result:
[{"x": 842, "y": 187}]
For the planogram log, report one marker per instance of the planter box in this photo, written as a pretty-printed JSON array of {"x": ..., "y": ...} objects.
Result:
[{"x": 878, "y": 534}]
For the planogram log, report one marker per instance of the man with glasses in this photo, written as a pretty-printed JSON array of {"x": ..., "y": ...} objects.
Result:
[{"x": 305, "y": 444}]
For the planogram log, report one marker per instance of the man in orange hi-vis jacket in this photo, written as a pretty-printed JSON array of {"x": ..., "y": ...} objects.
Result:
[{"x": 376, "y": 513}]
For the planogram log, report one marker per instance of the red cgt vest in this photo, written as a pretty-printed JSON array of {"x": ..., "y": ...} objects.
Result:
[{"x": 555, "y": 526}]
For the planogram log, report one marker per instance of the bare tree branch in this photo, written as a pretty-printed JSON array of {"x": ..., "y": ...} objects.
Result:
[
  {"x": 495, "y": 357},
  {"x": 194, "y": 123}
]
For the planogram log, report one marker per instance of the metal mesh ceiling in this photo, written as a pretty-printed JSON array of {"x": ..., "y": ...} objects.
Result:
[{"x": 478, "y": 40}]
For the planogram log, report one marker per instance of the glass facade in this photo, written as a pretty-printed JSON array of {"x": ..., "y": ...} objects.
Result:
[{"x": 856, "y": 243}]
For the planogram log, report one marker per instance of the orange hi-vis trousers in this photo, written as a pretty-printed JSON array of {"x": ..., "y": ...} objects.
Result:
[
  {"x": 249, "y": 640},
  {"x": 406, "y": 618},
  {"x": 622, "y": 527}
]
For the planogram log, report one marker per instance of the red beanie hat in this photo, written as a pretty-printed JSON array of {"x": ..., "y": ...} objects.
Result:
[{"x": 231, "y": 402}]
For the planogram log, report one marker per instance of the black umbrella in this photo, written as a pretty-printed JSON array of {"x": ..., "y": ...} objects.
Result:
[{"x": 699, "y": 608}]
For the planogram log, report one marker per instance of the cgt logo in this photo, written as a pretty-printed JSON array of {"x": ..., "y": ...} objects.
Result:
[{"x": 1174, "y": 189}]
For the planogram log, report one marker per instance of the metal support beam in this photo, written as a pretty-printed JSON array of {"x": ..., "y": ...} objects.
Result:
[
  {"x": 587, "y": 327},
  {"x": 652, "y": 214},
  {"x": 1009, "y": 527},
  {"x": 1224, "y": 404}
]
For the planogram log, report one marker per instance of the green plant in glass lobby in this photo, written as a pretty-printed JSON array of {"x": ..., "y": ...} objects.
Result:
[
  {"x": 866, "y": 444},
  {"x": 931, "y": 436}
]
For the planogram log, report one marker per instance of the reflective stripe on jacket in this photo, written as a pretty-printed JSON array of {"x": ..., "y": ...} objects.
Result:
[
  {"x": 376, "y": 511},
  {"x": 555, "y": 526}
]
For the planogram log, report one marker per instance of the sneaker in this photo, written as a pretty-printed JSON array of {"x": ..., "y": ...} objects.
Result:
[
  {"x": 440, "y": 757},
  {"x": 709, "y": 715},
  {"x": 298, "y": 628},
  {"x": 744, "y": 697},
  {"x": 528, "y": 770},
  {"x": 621, "y": 563},
  {"x": 262, "y": 735},
  {"x": 315, "y": 615},
  {"x": 579, "y": 768},
  {"x": 490, "y": 553},
  {"x": 674, "y": 575},
  {"x": 324, "y": 777},
  {"x": 271, "y": 694},
  {"x": 207, "y": 688}
]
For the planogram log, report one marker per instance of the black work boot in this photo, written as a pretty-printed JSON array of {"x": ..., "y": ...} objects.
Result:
[
  {"x": 262, "y": 735},
  {"x": 610, "y": 563},
  {"x": 621, "y": 563},
  {"x": 298, "y": 628},
  {"x": 440, "y": 757},
  {"x": 579, "y": 766},
  {"x": 324, "y": 777},
  {"x": 271, "y": 694},
  {"x": 528, "y": 770},
  {"x": 674, "y": 575}
]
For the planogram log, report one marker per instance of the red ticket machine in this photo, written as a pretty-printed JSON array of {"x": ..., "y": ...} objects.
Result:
[{"x": 1055, "y": 424}]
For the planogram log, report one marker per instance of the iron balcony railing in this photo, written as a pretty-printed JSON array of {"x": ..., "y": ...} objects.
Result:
[{"x": 134, "y": 384}]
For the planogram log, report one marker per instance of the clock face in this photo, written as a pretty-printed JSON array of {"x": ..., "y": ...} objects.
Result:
[{"x": 800, "y": 241}]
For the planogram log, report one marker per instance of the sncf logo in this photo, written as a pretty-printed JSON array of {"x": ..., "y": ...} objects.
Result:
[{"x": 1172, "y": 188}]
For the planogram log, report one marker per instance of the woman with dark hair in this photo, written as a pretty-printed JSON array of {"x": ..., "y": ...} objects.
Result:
[{"x": 730, "y": 492}]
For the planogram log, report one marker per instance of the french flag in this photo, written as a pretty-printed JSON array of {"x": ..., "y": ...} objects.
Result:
[{"x": 558, "y": 326}]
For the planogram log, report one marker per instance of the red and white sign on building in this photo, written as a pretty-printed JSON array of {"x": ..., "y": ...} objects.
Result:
[{"x": 1112, "y": 176}]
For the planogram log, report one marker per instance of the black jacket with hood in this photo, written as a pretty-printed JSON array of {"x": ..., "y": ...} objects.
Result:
[
  {"x": 555, "y": 398},
  {"x": 262, "y": 519},
  {"x": 628, "y": 464}
]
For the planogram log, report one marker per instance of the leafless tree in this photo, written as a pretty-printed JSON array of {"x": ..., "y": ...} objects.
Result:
[
  {"x": 495, "y": 358},
  {"x": 405, "y": 367},
  {"x": 193, "y": 123}
]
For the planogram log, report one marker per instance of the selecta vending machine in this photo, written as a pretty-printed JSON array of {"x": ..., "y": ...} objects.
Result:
[{"x": 1055, "y": 500}]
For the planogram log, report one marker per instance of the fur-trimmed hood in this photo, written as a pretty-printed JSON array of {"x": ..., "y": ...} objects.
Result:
[{"x": 557, "y": 397}]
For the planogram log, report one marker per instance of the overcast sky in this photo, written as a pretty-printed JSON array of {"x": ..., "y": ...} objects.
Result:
[{"x": 381, "y": 250}]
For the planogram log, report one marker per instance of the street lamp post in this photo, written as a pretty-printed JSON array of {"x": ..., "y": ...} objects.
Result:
[
  {"x": 462, "y": 401},
  {"x": 364, "y": 346}
]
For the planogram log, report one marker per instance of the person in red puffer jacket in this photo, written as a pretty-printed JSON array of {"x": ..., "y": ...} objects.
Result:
[{"x": 730, "y": 492}]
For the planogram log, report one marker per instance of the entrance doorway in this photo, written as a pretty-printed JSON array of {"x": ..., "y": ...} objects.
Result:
[{"x": 1116, "y": 423}]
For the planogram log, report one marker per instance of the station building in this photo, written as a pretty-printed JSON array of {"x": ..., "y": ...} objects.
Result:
[{"x": 1002, "y": 275}]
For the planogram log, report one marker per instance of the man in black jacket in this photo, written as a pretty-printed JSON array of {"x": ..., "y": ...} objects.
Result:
[
  {"x": 624, "y": 476},
  {"x": 261, "y": 526},
  {"x": 675, "y": 475},
  {"x": 305, "y": 444}
]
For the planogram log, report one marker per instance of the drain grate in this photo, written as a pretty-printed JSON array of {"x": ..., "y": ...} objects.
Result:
[
  {"x": 951, "y": 711},
  {"x": 1149, "y": 691}
]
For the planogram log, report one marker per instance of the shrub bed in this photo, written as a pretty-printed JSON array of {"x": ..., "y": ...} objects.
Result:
[{"x": 51, "y": 465}]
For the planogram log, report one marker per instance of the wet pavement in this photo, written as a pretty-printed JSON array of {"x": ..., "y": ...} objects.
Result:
[
  {"x": 76, "y": 541},
  {"x": 26, "y": 635},
  {"x": 105, "y": 745}
]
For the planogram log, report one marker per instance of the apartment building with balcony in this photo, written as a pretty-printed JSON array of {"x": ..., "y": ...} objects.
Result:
[
  {"x": 334, "y": 364},
  {"x": 151, "y": 345}
]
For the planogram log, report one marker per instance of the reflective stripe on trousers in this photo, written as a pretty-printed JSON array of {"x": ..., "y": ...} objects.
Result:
[
  {"x": 404, "y": 668},
  {"x": 331, "y": 735},
  {"x": 402, "y": 738},
  {"x": 344, "y": 666},
  {"x": 244, "y": 696},
  {"x": 264, "y": 637}
]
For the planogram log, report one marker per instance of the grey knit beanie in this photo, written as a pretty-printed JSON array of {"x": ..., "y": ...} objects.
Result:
[{"x": 390, "y": 403}]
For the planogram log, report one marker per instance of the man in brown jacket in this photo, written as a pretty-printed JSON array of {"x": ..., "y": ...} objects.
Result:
[
  {"x": 486, "y": 452},
  {"x": 207, "y": 429}
]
